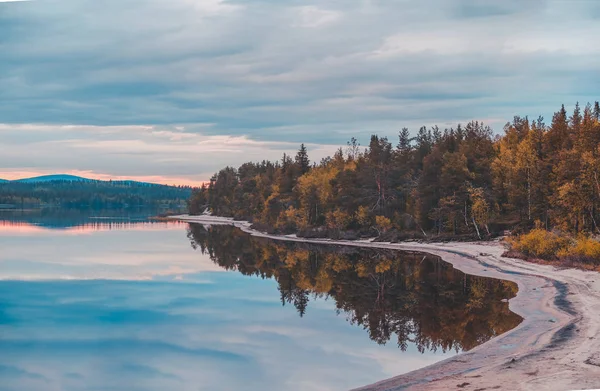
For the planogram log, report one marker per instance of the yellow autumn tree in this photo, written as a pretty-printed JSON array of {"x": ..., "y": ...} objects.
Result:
[
  {"x": 526, "y": 162},
  {"x": 480, "y": 209},
  {"x": 315, "y": 191},
  {"x": 337, "y": 219},
  {"x": 383, "y": 224},
  {"x": 363, "y": 216}
]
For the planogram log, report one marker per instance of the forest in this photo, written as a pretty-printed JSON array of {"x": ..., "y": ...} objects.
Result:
[
  {"x": 92, "y": 194},
  {"x": 395, "y": 296},
  {"x": 462, "y": 182}
]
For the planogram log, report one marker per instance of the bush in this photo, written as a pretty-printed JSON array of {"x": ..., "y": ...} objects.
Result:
[
  {"x": 542, "y": 244},
  {"x": 539, "y": 243},
  {"x": 585, "y": 250}
]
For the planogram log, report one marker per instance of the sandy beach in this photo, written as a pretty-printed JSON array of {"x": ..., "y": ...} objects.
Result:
[{"x": 556, "y": 347}]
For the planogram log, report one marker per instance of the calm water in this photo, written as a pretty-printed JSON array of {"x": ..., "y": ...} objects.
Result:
[{"x": 123, "y": 304}]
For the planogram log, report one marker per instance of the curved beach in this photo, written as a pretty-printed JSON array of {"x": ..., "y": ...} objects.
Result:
[{"x": 556, "y": 347}]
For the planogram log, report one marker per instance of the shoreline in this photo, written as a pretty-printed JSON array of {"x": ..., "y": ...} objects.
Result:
[{"x": 556, "y": 347}]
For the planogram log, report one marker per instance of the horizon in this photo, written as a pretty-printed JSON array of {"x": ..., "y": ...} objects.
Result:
[
  {"x": 92, "y": 176},
  {"x": 10, "y": 176},
  {"x": 199, "y": 85}
]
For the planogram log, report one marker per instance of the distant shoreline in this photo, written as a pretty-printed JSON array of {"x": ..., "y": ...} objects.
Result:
[{"x": 555, "y": 347}]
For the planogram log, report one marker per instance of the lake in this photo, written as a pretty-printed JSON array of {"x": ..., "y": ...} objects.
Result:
[{"x": 115, "y": 302}]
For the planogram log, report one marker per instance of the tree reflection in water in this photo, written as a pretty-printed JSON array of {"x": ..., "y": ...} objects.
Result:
[{"x": 412, "y": 297}]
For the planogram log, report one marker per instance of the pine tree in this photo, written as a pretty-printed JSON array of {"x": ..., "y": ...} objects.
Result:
[
  {"x": 302, "y": 160},
  {"x": 575, "y": 124},
  {"x": 404, "y": 140},
  {"x": 558, "y": 134},
  {"x": 286, "y": 161},
  {"x": 424, "y": 145}
]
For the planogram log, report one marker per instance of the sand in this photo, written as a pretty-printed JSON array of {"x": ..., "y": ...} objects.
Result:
[{"x": 556, "y": 347}]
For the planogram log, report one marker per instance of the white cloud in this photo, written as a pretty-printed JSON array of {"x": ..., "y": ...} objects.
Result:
[
  {"x": 407, "y": 43},
  {"x": 574, "y": 43},
  {"x": 312, "y": 16},
  {"x": 211, "y": 7}
]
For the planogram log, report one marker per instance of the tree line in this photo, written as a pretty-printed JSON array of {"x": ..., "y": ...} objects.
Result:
[
  {"x": 456, "y": 181},
  {"x": 92, "y": 194}
]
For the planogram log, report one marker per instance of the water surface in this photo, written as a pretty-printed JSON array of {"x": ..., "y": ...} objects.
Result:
[{"x": 134, "y": 305}]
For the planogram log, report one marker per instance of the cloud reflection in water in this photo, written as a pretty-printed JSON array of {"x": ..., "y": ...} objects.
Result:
[{"x": 193, "y": 327}]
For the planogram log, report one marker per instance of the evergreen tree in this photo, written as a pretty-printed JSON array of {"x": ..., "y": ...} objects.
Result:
[
  {"x": 302, "y": 160},
  {"x": 404, "y": 141}
]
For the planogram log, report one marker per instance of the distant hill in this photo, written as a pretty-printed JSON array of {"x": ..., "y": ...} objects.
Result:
[
  {"x": 52, "y": 178},
  {"x": 75, "y": 178},
  {"x": 78, "y": 192}
]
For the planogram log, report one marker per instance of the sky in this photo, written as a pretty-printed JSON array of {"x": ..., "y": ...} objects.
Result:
[{"x": 171, "y": 91}]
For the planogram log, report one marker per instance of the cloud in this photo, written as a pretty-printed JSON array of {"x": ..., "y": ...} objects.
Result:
[
  {"x": 407, "y": 43},
  {"x": 292, "y": 72},
  {"x": 81, "y": 259},
  {"x": 172, "y": 154},
  {"x": 491, "y": 8},
  {"x": 311, "y": 16}
]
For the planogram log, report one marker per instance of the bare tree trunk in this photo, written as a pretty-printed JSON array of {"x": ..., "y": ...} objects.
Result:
[
  {"x": 594, "y": 221},
  {"x": 418, "y": 225},
  {"x": 380, "y": 192},
  {"x": 476, "y": 228},
  {"x": 529, "y": 194}
]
